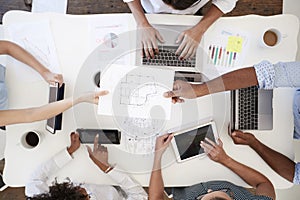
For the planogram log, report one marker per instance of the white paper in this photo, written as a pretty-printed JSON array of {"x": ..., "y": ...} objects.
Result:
[
  {"x": 57, "y": 6},
  {"x": 136, "y": 92},
  {"x": 37, "y": 39},
  {"x": 108, "y": 34},
  {"x": 224, "y": 61}
]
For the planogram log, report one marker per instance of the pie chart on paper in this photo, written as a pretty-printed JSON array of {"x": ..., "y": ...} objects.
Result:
[{"x": 111, "y": 40}]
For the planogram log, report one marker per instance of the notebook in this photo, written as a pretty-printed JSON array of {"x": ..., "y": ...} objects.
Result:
[{"x": 251, "y": 109}]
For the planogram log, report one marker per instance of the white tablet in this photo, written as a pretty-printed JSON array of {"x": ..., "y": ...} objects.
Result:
[{"x": 186, "y": 143}]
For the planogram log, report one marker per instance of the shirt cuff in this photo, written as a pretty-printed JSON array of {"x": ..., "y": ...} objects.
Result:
[
  {"x": 126, "y": 1},
  {"x": 62, "y": 158},
  {"x": 225, "y": 6},
  {"x": 265, "y": 74},
  {"x": 297, "y": 174}
]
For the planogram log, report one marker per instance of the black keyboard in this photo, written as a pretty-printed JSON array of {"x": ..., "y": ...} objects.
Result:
[
  {"x": 248, "y": 108},
  {"x": 167, "y": 57}
]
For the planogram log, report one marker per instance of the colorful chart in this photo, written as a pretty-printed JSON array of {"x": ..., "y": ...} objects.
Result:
[{"x": 219, "y": 55}]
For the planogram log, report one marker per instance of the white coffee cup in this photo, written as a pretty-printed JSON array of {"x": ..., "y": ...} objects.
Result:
[
  {"x": 31, "y": 139},
  {"x": 271, "y": 37}
]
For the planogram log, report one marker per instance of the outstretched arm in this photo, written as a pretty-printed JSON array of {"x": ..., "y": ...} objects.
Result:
[
  {"x": 37, "y": 182},
  {"x": 191, "y": 38},
  {"x": 156, "y": 186},
  {"x": 252, "y": 177},
  {"x": 240, "y": 78},
  {"x": 281, "y": 164},
  {"x": 46, "y": 111},
  {"x": 99, "y": 155},
  {"x": 22, "y": 55}
]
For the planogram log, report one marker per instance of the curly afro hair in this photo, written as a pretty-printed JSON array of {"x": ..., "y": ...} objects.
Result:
[{"x": 62, "y": 191}]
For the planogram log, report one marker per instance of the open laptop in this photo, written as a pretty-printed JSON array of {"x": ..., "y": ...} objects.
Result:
[
  {"x": 251, "y": 109},
  {"x": 167, "y": 57}
]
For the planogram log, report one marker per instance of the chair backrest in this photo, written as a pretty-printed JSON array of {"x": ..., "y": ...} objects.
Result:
[{"x": 3, "y": 186}]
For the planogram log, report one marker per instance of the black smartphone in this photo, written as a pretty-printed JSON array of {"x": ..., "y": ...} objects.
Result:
[
  {"x": 106, "y": 136},
  {"x": 56, "y": 93}
]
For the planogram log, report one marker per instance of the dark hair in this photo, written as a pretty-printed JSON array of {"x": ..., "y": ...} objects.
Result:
[
  {"x": 218, "y": 198},
  {"x": 62, "y": 191},
  {"x": 180, "y": 4}
]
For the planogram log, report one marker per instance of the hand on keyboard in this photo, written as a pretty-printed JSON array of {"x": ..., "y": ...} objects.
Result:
[
  {"x": 190, "y": 40},
  {"x": 149, "y": 37}
]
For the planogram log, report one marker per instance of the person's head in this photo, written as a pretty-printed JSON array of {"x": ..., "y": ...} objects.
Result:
[
  {"x": 63, "y": 191},
  {"x": 180, "y": 4},
  {"x": 217, "y": 195}
]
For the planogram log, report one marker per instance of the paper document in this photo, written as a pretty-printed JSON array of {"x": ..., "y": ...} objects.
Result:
[
  {"x": 57, "y": 6},
  {"x": 37, "y": 39},
  {"x": 226, "y": 49},
  {"x": 110, "y": 34},
  {"x": 136, "y": 92}
]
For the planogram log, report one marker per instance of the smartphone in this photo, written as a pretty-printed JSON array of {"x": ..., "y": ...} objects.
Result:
[
  {"x": 56, "y": 93},
  {"x": 106, "y": 136}
]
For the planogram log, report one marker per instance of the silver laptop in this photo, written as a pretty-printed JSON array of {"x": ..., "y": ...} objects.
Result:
[
  {"x": 251, "y": 109},
  {"x": 166, "y": 56}
]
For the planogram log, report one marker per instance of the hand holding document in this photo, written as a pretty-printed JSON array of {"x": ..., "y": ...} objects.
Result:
[{"x": 136, "y": 92}]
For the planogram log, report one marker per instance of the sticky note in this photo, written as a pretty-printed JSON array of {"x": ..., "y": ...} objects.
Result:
[{"x": 234, "y": 44}]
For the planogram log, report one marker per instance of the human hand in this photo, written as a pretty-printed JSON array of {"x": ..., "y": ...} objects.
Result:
[
  {"x": 162, "y": 142},
  {"x": 91, "y": 97},
  {"x": 99, "y": 153},
  {"x": 181, "y": 89},
  {"x": 214, "y": 151},
  {"x": 75, "y": 143},
  {"x": 244, "y": 138},
  {"x": 148, "y": 36},
  {"x": 190, "y": 40},
  {"x": 52, "y": 78}
]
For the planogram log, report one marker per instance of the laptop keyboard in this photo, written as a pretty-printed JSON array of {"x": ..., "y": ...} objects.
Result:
[
  {"x": 248, "y": 108},
  {"x": 167, "y": 57}
]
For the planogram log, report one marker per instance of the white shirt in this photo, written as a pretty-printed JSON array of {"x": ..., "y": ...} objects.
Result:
[
  {"x": 158, "y": 6},
  {"x": 37, "y": 183}
]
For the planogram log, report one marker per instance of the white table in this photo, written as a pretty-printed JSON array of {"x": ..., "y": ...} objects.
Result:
[{"x": 71, "y": 39}]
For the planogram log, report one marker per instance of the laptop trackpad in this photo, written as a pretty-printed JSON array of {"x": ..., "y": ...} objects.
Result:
[{"x": 265, "y": 110}]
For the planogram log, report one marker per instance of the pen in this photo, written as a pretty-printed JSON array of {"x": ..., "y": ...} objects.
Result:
[
  {"x": 216, "y": 56},
  {"x": 212, "y": 54},
  {"x": 234, "y": 58},
  {"x": 209, "y": 52},
  {"x": 219, "y": 59},
  {"x": 230, "y": 59}
]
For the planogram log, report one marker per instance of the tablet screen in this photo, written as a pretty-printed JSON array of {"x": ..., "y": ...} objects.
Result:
[
  {"x": 188, "y": 143},
  {"x": 106, "y": 136}
]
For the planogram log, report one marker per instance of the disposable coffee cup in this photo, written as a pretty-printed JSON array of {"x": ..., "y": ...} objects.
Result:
[
  {"x": 271, "y": 38},
  {"x": 31, "y": 139}
]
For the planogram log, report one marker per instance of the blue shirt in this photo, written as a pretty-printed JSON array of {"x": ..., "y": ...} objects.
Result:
[{"x": 282, "y": 74}]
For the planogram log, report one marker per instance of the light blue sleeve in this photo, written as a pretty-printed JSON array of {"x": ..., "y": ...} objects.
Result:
[
  {"x": 282, "y": 74},
  {"x": 265, "y": 74},
  {"x": 296, "y": 113},
  {"x": 297, "y": 174},
  {"x": 287, "y": 74}
]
